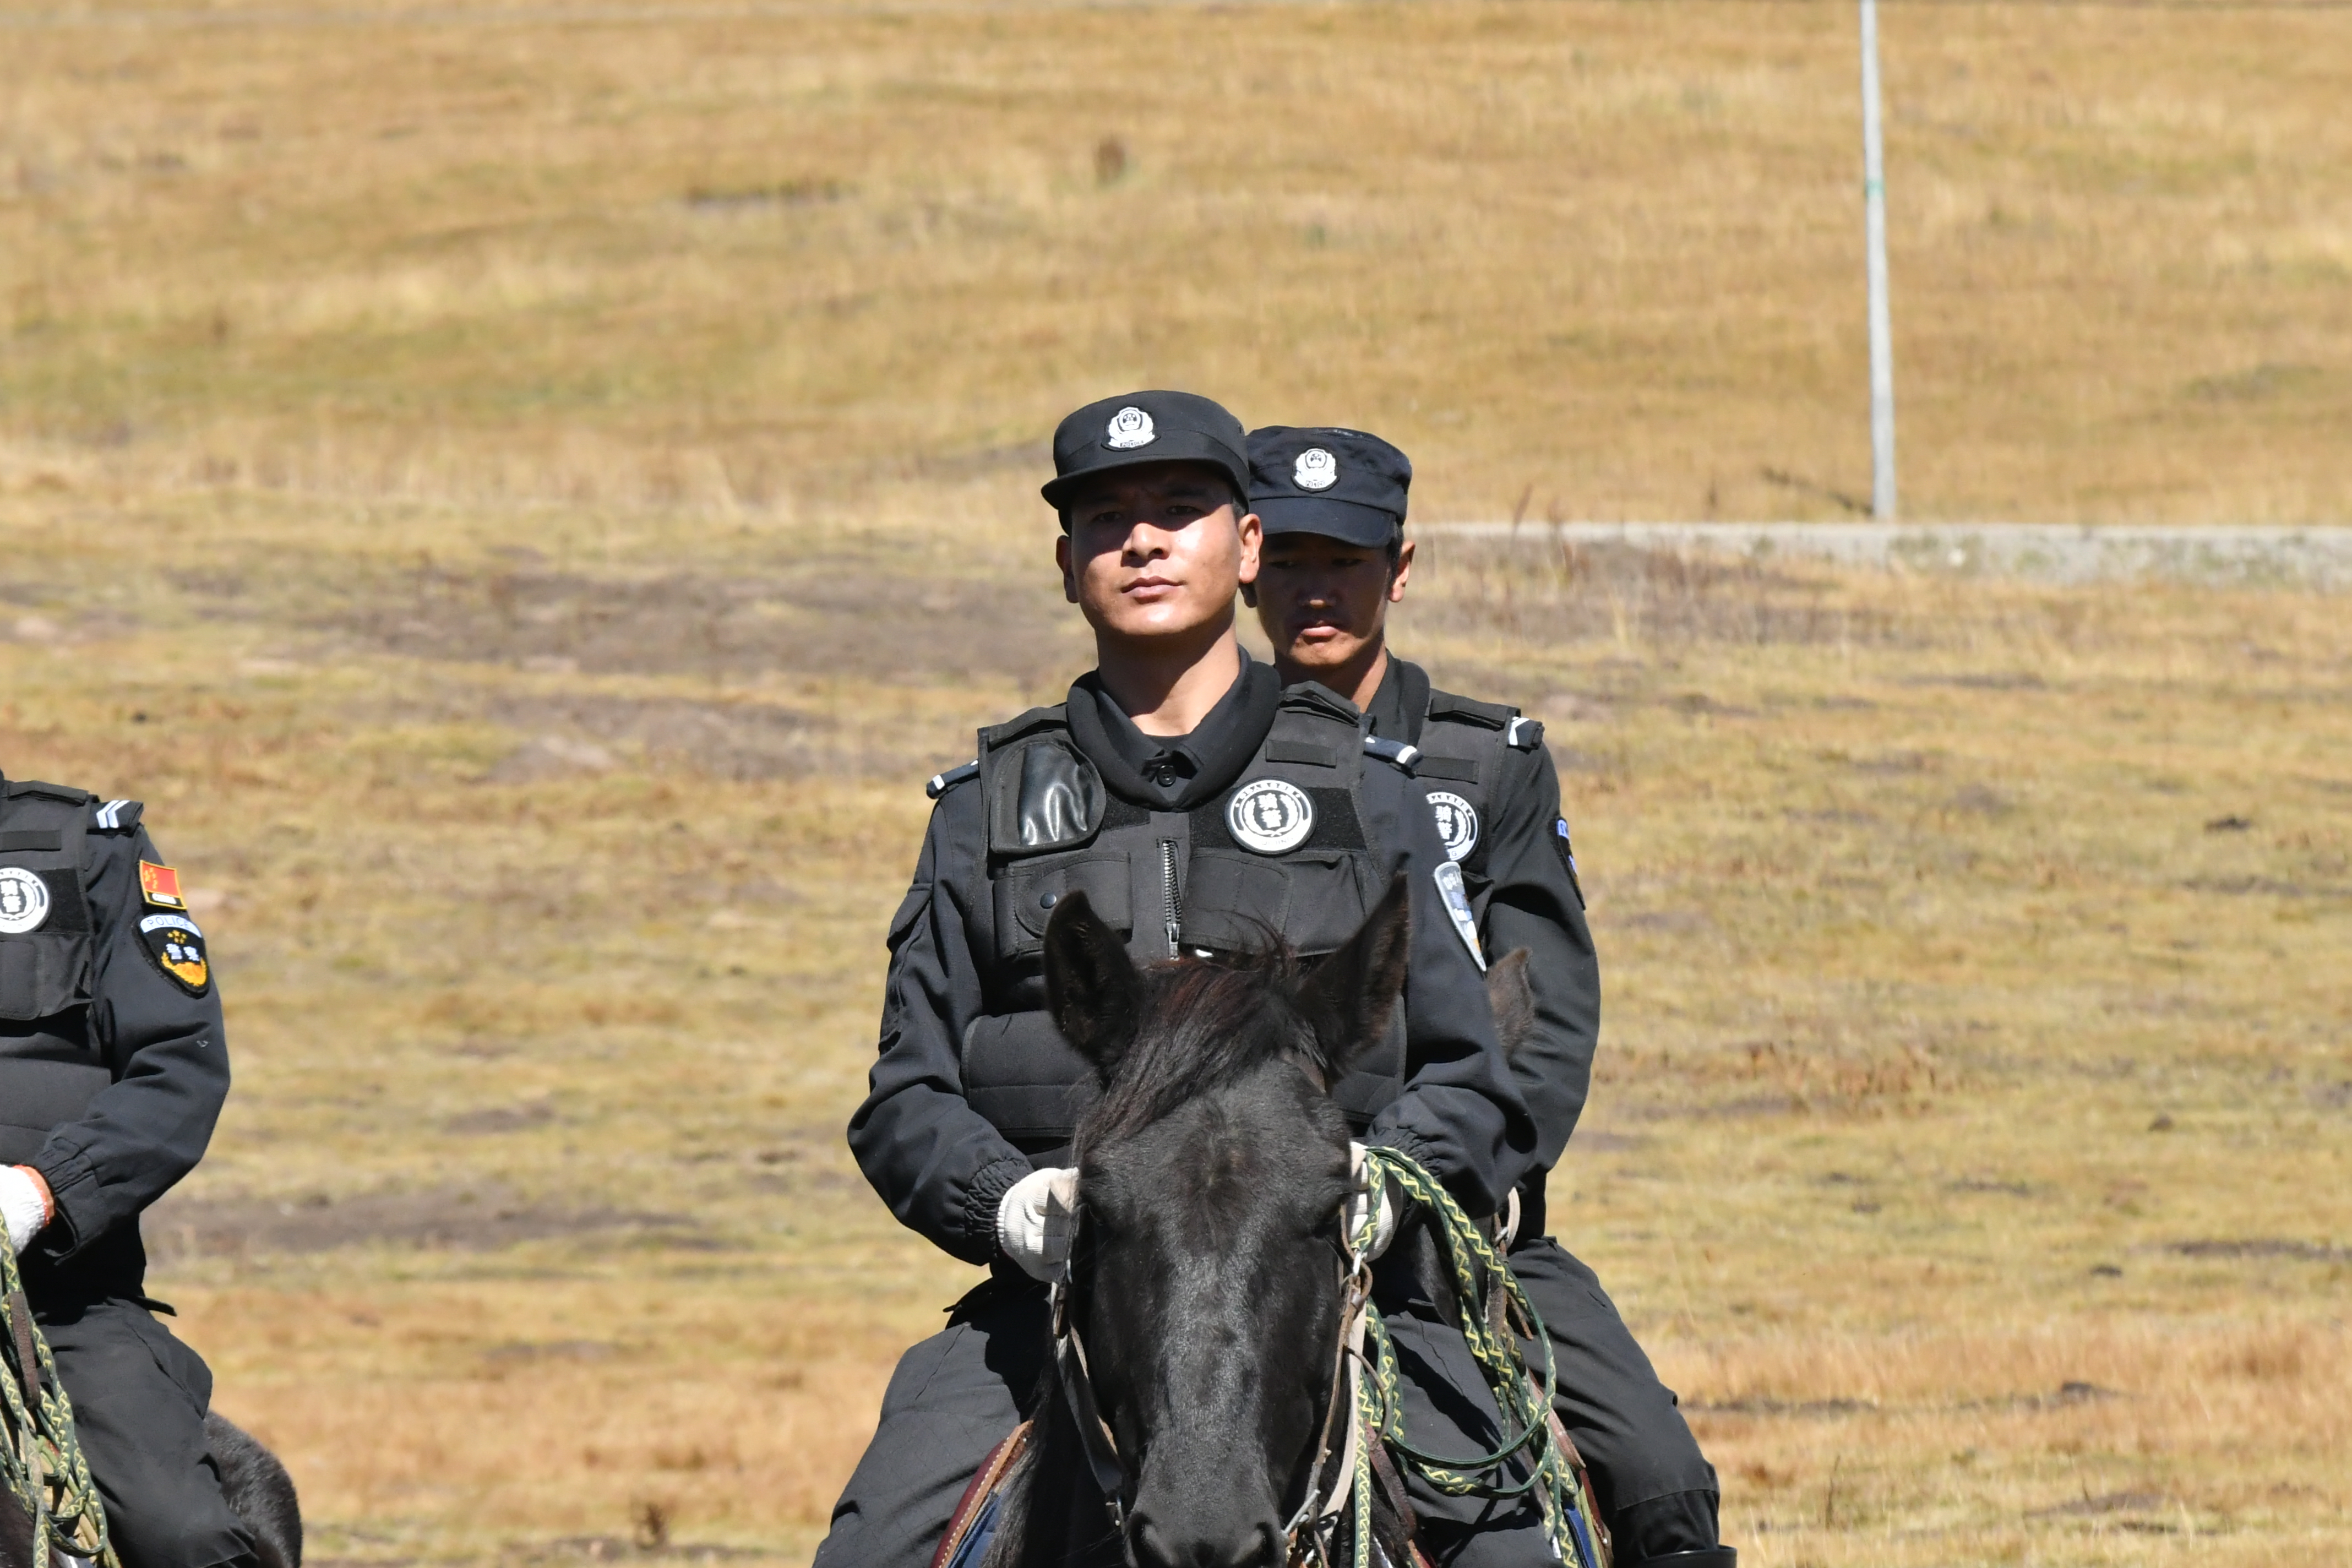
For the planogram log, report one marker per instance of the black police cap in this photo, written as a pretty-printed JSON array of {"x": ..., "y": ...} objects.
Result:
[
  {"x": 1146, "y": 428},
  {"x": 1342, "y": 484}
]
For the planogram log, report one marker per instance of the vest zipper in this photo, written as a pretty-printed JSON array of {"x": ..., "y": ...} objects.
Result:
[{"x": 1168, "y": 885}]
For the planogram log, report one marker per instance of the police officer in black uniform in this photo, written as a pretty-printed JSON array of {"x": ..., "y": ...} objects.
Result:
[
  {"x": 1197, "y": 804},
  {"x": 1331, "y": 504},
  {"x": 112, "y": 1070}
]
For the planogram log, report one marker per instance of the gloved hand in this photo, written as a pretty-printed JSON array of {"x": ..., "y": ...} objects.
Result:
[
  {"x": 1369, "y": 1190},
  {"x": 25, "y": 1205},
  {"x": 1034, "y": 1221}
]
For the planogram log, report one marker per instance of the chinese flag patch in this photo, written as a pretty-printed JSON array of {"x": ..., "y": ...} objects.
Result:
[{"x": 161, "y": 886}]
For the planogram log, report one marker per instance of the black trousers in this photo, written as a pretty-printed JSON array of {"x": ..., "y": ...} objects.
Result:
[
  {"x": 956, "y": 1394},
  {"x": 139, "y": 1400}
]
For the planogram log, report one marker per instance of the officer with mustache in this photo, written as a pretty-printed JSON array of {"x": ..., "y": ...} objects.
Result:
[{"x": 1331, "y": 509}]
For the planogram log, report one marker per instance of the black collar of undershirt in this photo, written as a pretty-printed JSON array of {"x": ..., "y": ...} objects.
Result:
[
  {"x": 1401, "y": 706},
  {"x": 1175, "y": 773}
]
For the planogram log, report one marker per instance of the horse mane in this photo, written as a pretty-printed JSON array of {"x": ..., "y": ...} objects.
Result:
[{"x": 1207, "y": 1023}]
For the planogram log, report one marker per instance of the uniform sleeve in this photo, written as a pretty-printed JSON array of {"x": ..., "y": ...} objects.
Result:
[
  {"x": 939, "y": 1164},
  {"x": 170, "y": 1060},
  {"x": 1533, "y": 903},
  {"x": 1460, "y": 1115}
]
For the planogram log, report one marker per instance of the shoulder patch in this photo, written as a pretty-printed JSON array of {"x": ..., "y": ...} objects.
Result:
[
  {"x": 117, "y": 817},
  {"x": 942, "y": 782},
  {"x": 1401, "y": 754},
  {"x": 160, "y": 886},
  {"x": 178, "y": 948},
  {"x": 1526, "y": 734}
]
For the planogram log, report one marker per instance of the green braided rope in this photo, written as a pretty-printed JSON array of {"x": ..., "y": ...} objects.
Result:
[
  {"x": 41, "y": 1463},
  {"x": 1572, "y": 1519}
]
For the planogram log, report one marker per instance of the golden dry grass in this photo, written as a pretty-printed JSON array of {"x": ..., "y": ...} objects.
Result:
[{"x": 526, "y": 495}]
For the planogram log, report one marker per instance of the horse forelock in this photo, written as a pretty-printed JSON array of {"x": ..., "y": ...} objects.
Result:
[{"x": 1207, "y": 1025}]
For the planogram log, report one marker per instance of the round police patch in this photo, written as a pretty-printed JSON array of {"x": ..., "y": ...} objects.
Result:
[
  {"x": 1457, "y": 823},
  {"x": 178, "y": 948},
  {"x": 1270, "y": 816},
  {"x": 1129, "y": 427},
  {"x": 23, "y": 900},
  {"x": 1315, "y": 469}
]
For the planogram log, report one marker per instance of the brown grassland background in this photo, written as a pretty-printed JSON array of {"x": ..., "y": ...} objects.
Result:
[{"x": 527, "y": 493}]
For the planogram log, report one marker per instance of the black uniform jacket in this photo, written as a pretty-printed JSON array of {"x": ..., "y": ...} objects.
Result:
[
  {"x": 943, "y": 1169},
  {"x": 142, "y": 1132},
  {"x": 1522, "y": 878}
]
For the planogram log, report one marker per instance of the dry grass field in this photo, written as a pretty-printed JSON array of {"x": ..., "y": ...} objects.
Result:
[{"x": 527, "y": 494}]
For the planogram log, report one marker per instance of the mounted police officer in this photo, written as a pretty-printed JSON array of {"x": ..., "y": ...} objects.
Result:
[
  {"x": 112, "y": 1070},
  {"x": 1331, "y": 505},
  {"x": 1197, "y": 805}
]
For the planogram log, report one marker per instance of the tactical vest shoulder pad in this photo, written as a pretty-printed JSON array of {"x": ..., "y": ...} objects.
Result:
[
  {"x": 1054, "y": 718},
  {"x": 117, "y": 817},
  {"x": 1403, "y": 754},
  {"x": 942, "y": 782},
  {"x": 1519, "y": 733},
  {"x": 1445, "y": 706},
  {"x": 65, "y": 795},
  {"x": 1042, "y": 792}
]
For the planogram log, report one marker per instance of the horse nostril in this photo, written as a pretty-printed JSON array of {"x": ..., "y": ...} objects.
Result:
[{"x": 1258, "y": 1546}]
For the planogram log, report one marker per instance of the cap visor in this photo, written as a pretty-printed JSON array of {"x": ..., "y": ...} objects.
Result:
[{"x": 1345, "y": 521}]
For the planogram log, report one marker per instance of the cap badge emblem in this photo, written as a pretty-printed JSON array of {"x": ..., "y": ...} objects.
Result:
[
  {"x": 1315, "y": 469},
  {"x": 1271, "y": 817},
  {"x": 1457, "y": 823},
  {"x": 1129, "y": 427},
  {"x": 23, "y": 900}
]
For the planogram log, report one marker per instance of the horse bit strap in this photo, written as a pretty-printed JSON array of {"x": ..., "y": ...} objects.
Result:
[{"x": 1078, "y": 1390}]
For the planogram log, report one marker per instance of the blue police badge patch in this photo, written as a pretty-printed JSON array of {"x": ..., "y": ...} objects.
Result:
[
  {"x": 1457, "y": 907},
  {"x": 1457, "y": 823},
  {"x": 23, "y": 900},
  {"x": 178, "y": 948},
  {"x": 1270, "y": 816},
  {"x": 1129, "y": 427}
]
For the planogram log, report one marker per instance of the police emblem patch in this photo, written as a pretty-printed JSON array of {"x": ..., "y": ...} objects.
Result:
[
  {"x": 1457, "y": 823},
  {"x": 1458, "y": 906},
  {"x": 23, "y": 900},
  {"x": 1129, "y": 427},
  {"x": 160, "y": 886},
  {"x": 178, "y": 948},
  {"x": 1270, "y": 816},
  {"x": 1315, "y": 469}
]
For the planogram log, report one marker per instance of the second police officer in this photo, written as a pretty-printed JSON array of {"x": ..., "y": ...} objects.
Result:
[
  {"x": 1196, "y": 803},
  {"x": 1331, "y": 504}
]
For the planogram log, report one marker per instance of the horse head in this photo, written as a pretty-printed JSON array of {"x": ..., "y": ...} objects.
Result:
[{"x": 1208, "y": 1276}]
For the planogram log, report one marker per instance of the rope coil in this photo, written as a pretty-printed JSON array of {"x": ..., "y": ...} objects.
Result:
[
  {"x": 1496, "y": 1314},
  {"x": 41, "y": 1463}
]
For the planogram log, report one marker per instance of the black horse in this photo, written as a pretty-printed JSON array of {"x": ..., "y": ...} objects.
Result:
[
  {"x": 1207, "y": 1280},
  {"x": 256, "y": 1486}
]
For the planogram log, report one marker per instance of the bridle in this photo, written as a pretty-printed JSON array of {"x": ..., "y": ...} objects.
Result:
[{"x": 1310, "y": 1523}]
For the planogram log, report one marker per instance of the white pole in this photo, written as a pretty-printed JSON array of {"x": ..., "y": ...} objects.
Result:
[{"x": 1882, "y": 344}]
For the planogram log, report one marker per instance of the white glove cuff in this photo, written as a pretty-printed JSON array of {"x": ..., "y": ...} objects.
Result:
[
  {"x": 1034, "y": 1219},
  {"x": 24, "y": 1205}
]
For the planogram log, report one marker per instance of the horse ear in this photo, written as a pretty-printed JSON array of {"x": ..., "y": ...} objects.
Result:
[
  {"x": 1092, "y": 992},
  {"x": 1351, "y": 994}
]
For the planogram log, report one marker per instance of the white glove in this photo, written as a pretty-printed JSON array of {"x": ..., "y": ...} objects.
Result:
[
  {"x": 24, "y": 1204},
  {"x": 1033, "y": 1222},
  {"x": 1370, "y": 1189}
]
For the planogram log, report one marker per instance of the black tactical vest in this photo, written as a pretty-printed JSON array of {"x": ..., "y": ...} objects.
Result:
[
  {"x": 1284, "y": 850},
  {"x": 50, "y": 1071},
  {"x": 1463, "y": 748}
]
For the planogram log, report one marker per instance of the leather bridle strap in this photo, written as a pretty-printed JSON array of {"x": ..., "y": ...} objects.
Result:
[{"x": 1079, "y": 1391}]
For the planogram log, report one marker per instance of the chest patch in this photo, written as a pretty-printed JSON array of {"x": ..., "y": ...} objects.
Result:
[
  {"x": 1271, "y": 817},
  {"x": 23, "y": 900},
  {"x": 1457, "y": 823},
  {"x": 178, "y": 948}
]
